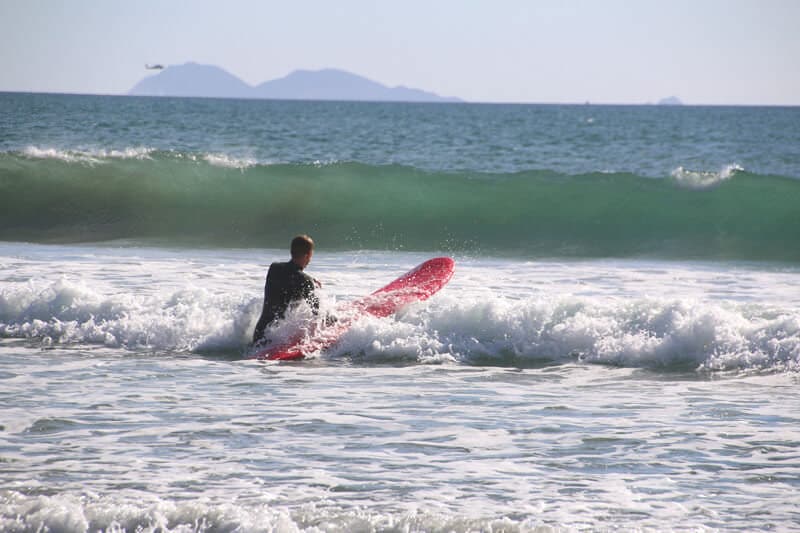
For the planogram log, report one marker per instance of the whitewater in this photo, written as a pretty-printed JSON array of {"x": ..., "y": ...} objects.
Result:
[{"x": 618, "y": 348}]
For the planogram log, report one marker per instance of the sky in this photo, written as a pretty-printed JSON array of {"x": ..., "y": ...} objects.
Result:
[{"x": 725, "y": 52}]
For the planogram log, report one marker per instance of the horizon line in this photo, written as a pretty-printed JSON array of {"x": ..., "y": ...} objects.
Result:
[{"x": 587, "y": 103}]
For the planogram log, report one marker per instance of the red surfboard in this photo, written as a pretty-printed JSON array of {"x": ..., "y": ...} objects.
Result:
[{"x": 414, "y": 286}]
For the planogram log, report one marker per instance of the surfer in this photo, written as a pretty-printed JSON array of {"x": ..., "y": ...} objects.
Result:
[{"x": 287, "y": 284}]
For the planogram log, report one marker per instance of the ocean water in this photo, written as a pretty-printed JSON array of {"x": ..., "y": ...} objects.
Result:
[{"x": 619, "y": 348}]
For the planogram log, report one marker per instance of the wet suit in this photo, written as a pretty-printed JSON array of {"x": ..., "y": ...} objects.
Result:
[{"x": 286, "y": 284}]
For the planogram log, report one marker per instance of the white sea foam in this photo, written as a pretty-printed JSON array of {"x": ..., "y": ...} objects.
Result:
[
  {"x": 99, "y": 156},
  {"x": 653, "y": 333},
  {"x": 90, "y": 157},
  {"x": 140, "y": 152},
  {"x": 66, "y": 312},
  {"x": 67, "y": 156},
  {"x": 142, "y": 444},
  {"x": 227, "y": 161},
  {"x": 702, "y": 179},
  {"x": 641, "y": 333},
  {"x": 68, "y": 513}
]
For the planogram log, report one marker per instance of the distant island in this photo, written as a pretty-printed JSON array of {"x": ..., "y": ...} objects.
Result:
[
  {"x": 192, "y": 79},
  {"x": 671, "y": 100}
]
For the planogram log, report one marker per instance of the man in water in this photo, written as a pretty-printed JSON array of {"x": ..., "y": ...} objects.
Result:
[{"x": 287, "y": 284}]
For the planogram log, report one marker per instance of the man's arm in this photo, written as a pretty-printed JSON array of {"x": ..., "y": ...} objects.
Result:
[{"x": 308, "y": 293}]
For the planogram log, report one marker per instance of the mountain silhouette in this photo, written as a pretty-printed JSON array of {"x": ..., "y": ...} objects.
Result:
[{"x": 192, "y": 79}]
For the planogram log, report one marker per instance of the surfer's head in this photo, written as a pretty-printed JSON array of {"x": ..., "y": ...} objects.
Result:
[{"x": 302, "y": 249}]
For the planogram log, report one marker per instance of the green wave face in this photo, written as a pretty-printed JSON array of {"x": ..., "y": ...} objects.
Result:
[{"x": 179, "y": 198}]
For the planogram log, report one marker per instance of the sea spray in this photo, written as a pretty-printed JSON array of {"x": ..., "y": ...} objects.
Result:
[{"x": 643, "y": 332}]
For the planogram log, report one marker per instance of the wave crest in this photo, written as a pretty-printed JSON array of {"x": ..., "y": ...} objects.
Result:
[
  {"x": 701, "y": 179},
  {"x": 214, "y": 199},
  {"x": 89, "y": 157}
]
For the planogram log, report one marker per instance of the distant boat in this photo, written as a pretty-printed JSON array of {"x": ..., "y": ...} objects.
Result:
[{"x": 154, "y": 67}]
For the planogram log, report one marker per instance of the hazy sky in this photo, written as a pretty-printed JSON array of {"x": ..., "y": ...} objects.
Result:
[{"x": 602, "y": 51}]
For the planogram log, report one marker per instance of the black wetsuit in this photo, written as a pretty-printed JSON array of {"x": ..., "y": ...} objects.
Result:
[{"x": 286, "y": 284}]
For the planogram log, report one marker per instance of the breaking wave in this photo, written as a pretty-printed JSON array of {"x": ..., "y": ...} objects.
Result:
[
  {"x": 659, "y": 334},
  {"x": 218, "y": 200}
]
